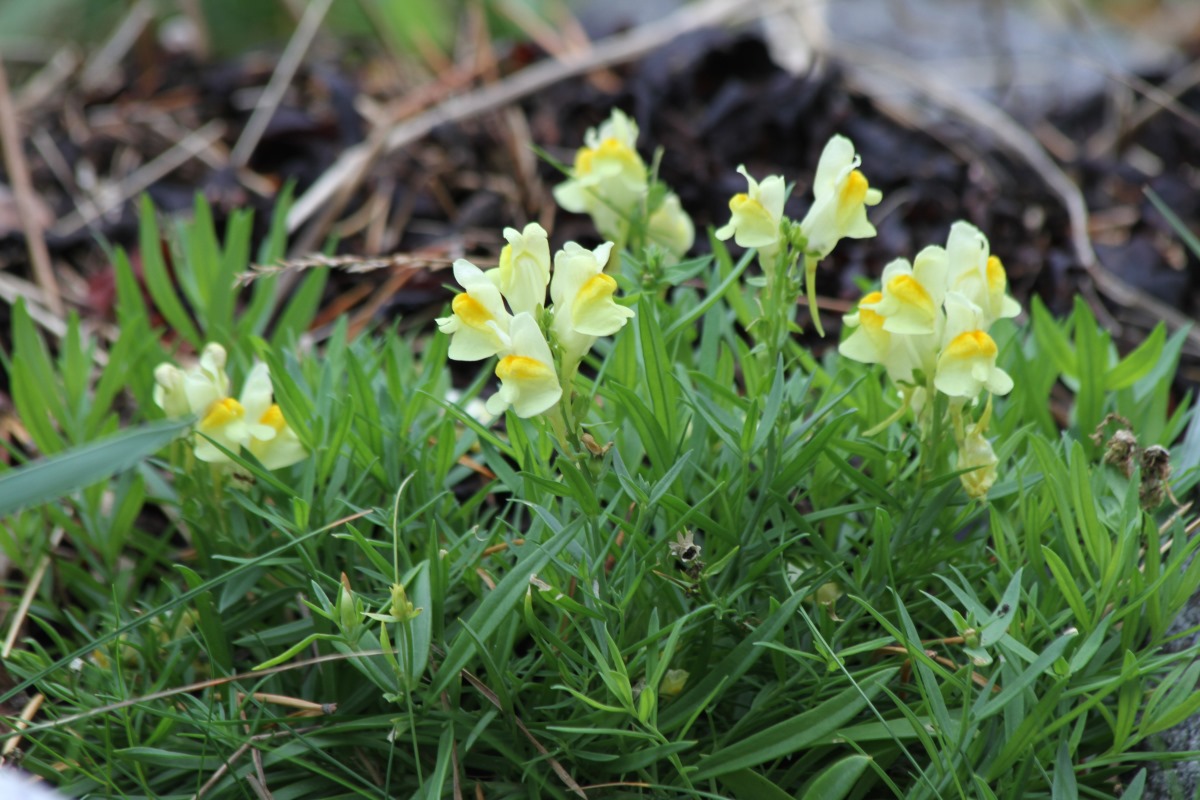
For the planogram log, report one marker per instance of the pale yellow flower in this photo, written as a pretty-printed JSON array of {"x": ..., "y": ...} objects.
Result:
[
  {"x": 169, "y": 392},
  {"x": 225, "y": 424},
  {"x": 584, "y": 308},
  {"x": 609, "y": 178},
  {"x": 479, "y": 325},
  {"x": 252, "y": 420},
  {"x": 977, "y": 455},
  {"x": 977, "y": 275},
  {"x": 524, "y": 268},
  {"x": 205, "y": 387},
  {"x": 671, "y": 227},
  {"x": 967, "y": 362},
  {"x": 841, "y": 194},
  {"x": 756, "y": 214},
  {"x": 871, "y": 343},
  {"x": 528, "y": 381},
  {"x": 912, "y": 294},
  {"x": 270, "y": 438}
]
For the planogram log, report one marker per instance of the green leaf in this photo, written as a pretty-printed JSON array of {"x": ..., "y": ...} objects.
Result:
[
  {"x": 1092, "y": 351},
  {"x": 1136, "y": 788},
  {"x": 300, "y": 310},
  {"x": 501, "y": 602},
  {"x": 746, "y": 784},
  {"x": 158, "y": 280},
  {"x": 656, "y": 368},
  {"x": 1138, "y": 363},
  {"x": 837, "y": 780},
  {"x": 1023, "y": 681},
  {"x": 1065, "y": 787},
  {"x": 796, "y": 733},
  {"x": 1052, "y": 339},
  {"x": 713, "y": 296},
  {"x": 50, "y": 478},
  {"x": 1065, "y": 582},
  {"x": 729, "y": 670}
]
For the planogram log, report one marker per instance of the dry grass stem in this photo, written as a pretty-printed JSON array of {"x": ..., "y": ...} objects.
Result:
[
  {"x": 280, "y": 80},
  {"x": 26, "y": 198},
  {"x": 190, "y": 147}
]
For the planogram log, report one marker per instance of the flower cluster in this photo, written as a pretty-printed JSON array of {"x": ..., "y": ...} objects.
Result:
[
  {"x": 841, "y": 195},
  {"x": 611, "y": 183},
  {"x": 252, "y": 420},
  {"x": 933, "y": 316},
  {"x": 928, "y": 326},
  {"x": 582, "y": 310}
]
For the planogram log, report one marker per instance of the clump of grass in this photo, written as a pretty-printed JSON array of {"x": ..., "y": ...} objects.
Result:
[{"x": 714, "y": 584}]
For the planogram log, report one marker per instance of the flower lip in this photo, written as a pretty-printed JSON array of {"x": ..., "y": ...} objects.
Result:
[
  {"x": 996, "y": 278},
  {"x": 470, "y": 311},
  {"x": 222, "y": 412},
  {"x": 972, "y": 344},
  {"x": 854, "y": 192},
  {"x": 908, "y": 290},
  {"x": 273, "y": 417},
  {"x": 868, "y": 317},
  {"x": 522, "y": 368}
]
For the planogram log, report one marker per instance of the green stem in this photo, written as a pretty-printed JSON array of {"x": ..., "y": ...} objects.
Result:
[
  {"x": 894, "y": 417},
  {"x": 810, "y": 289},
  {"x": 558, "y": 424}
]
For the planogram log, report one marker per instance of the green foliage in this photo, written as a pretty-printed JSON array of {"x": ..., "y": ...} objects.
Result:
[{"x": 481, "y": 607}]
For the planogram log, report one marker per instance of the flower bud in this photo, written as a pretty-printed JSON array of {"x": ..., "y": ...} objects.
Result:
[
  {"x": 402, "y": 609},
  {"x": 673, "y": 682},
  {"x": 977, "y": 455},
  {"x": 349, "y": 614}
]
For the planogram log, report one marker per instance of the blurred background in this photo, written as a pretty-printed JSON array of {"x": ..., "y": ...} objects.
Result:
[{"x": 415, "y": 130}]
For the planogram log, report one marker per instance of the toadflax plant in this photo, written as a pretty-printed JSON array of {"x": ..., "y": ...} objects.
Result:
[
  {"x": 928, "y": 326},
  {"x": 774, "y": 575}
]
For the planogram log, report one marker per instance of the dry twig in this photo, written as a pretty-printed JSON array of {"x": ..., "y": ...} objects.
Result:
[
  {"x": 352, "y": 264},
  {"x": 608, "y": 52},
  {"x": 281, "y": 79},
  {"x": 22, "y": 186},
  {"x": 192, "y": 145}
]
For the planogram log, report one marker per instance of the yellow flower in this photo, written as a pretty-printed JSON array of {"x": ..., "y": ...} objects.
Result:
[
  {"x": 203, "y": 390},
  {"x": 479, "y": 325},
  {"x": 609, "y": 177},
  {"x": 528, "y": 381},
  {"x": 756, "y": 214},
  {"x": 252, "y": 420},
  {"x": 912, "y": 296},
  {"x": 671, "y": 227},
  {"x": 224, "y": 422},
  {"x": 967, "y": 362},
  {"x": 976, "y": 454},
  {"x": 841, "y": 194},
  {"x": 978, "y": 276},
  {"x": 584, "y": 308},
  {"x": 169, "y": 392},
  {"x": 871, "y": 343},
  {"x": 270, "y": 438},
  {"x": 524, "y": 268}
]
